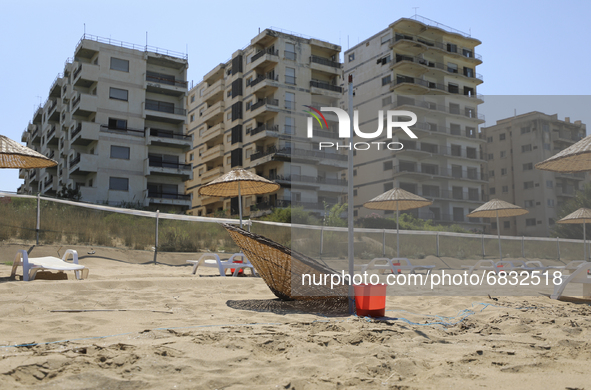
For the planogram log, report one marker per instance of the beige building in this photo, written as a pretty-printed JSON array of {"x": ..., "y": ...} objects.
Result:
[
  {"x": 429, "y": 69},
  {"x": 514, "y": 146},
  {"x": 249, "y": 112},
  {"x": 115, "y": 122}
]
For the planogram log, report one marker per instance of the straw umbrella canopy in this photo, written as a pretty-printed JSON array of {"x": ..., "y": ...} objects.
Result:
[
  {"x": 238, "y": 182},
  {"x": 15, "y": 155},
  {"x": 583, "y": 216},
  {"x": 397, "y": 199},
  {"x": 497, "y": 208},
  {"x": 575, "y": 158}
]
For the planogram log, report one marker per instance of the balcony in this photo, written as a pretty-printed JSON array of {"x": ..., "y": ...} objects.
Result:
[
  {"x": 263, "y": 84},
  {"x": 414, "y": 86},
  {"x": 265, "y": 59},
  {"x": 416, "y": 45},
  {"x": 212, "y": 153},
  {"x": 472, "y": 114},
  {"x": 418, "y": 66},
  {"x": 284, "y": 203},
  {"x": 85, "y": 133},
  {"x": 208, "y": 200},
  {"x": 325, "y": 65},
  {"x": 318, "y": 87},
  {"x": 123, "y": 130},
  {"x": 214, "y": 113},
  {"x": 262, "y": 105},
  {"x": 164, "y": 111},
  {"x": 86, "y": 75},
  {"x": 35, "y": 134},
  {"x": 83, "y": 164},
  {"x": 429, "y": 171},
  {"x": 263, "y": 131},
  {"x": 51, "y": 138},
  {"x": 165, "y": 84},
  {"x": 173, "y": 199},
  {"x": 169, "y": 138},
  {"x": 49, "y": 185},
  {"x": 571, "y": 176},
  {"x": 84, "y": 104},
  {"x": 211, "y": 174},
  {"x": 157, "y": 167},
  {"x": 206, "y": 135},
  {"x": 214, "y": 92},
  {"x": 411, "y": 148}
]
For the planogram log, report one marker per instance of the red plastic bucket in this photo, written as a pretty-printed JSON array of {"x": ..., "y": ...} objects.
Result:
[
  {"x": 240, "y": 271},
  {"x": 370, "y": 300}
]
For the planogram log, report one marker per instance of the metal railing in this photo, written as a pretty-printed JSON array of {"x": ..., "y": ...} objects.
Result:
[
  {"x": 262, "y": 77},
  {"x": 450, "y": 48},
  {"x": 437, "y": 65},
  {"x": 165, "y": 80},
  {"x": 133, "y": 46},
  {"x": 262, "y": 102},
  {"x": 168, "y": 134},
  {"x": 308, "y": 179},
  {"x": 163, "y": 164},
  {"x": 77, "y": 72},
  {"x": 436, "y": 170},
  {"x": 463, "y": 152},
  {"x": 168, "y": 195},
  {"x": 166, "y": 107},
  {"x": 135, "y": 132},
  {"x": 438, "y": 107},
  {"x": 325, "y": 85},
  {"x": 265, "y": 127},
  {"x": 262, "y": 53},
  {"x": 77, "y": 130},
  {"x": 73, "y": 162},
  {"x": 325, "y": 61}
]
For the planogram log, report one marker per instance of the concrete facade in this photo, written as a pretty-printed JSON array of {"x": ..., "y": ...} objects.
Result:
[
  {"x": 115, "y": 120},
  {"x": 514, "y": 146},
  {"x": 421, "y": 66},
  {"x": 249, "y": 112}
]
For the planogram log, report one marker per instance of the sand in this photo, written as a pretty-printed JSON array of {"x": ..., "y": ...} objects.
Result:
[{"x": 169, "y": 329}]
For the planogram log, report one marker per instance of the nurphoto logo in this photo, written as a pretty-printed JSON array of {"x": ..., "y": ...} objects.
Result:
[{"x": 392, "y": 122}]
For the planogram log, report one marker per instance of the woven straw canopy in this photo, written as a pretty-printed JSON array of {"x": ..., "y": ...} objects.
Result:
[
  {"x": 582, "y": 215},
  {"x": 492, "y": 207},
  {"x": 575, "y": 158},
  {"x": 15, "y": 155},
  {"x": 397, "y": 199},
  {"x": 227, "y": 185}
]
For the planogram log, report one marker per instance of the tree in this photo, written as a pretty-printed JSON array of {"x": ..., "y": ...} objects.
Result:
[
  {"x": 334, "y": 216},
  {"x": 573, "y": 230},
  {"x": 69, "y": 193}
]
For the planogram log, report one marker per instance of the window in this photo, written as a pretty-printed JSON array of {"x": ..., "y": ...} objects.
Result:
[
  {"x": 550, "y": 202},
  {"x": 549, "y": 184},
  {"x": 528, "y": 203},
  {"x": 489, "y": 139},
  {"x": 290, "y": 51},
  {"x": 506, "y": 224},
  {"x": 355, "y": 172},
  {"x": 503, "y": 153},
  {"x": 119, "y": 64},
  {"x": 289, "y": 125},
  {"x": 453, "y": 88},
  {"x": 492, "y": 190},
  {"x": 119, "y": 184},
  {"x": 201, "y": 91},
  {"x": 118, "y": 94},
  {"x": 468, "y": 72},
  {"x": 192, "y": 117},
  {"x": 530, "y": 222},
  {"x": 528, "y": 185},
  {"x": 502, "y": 137},
  {"x": 525, "y": 148},
  {"x": 525, "y": 130},
  {"x": 551, "y": 221},
  {"x": 192, "y": 98},
  {"x": 121, "y": 152},
  {"x": 491, "y": 173},
  {"x": 191, "y": 156},
  {"x": 247, "y": 105},
  {"x": 384, "y": 39},
  {"x": 290, "y": 76},
  {"x": 354, "y": 192},
  {"x": 118, "y": 124},
  {"x": 289, "y": 101},
  {"x": 503, "y": 171},
  {"x": 387, "y": 165},
  {"x": 528, "y": 166},
  {"x": 351, "y": 57},
  {"x": 491, "y": 157},
  {"x": 452, "y": 68},
  {"x": 505, "y": 189},
  {"x": 386, "y": 101},
  {"x": 228, "y": 93},
  {"x": 386, "y": 80}
]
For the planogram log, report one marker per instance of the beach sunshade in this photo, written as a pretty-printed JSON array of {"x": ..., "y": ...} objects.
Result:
[
  {"x": 238, "y": 182},
  {"x": 15, "y": 155},
  {"x": 575, "y": 158},
  {"x": 583, "y": 216},
  {"x": 497, "y": 208},
  {"x": 283, "y": 269},
  {"x": 397, "y": 199}
]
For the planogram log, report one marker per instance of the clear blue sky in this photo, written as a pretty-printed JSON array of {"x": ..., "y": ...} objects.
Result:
[{"x": 528, "y": 47}]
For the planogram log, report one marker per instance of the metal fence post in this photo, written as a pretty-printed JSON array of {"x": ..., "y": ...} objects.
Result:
[
  {"x": 437, "y": 244},
  {"x": 522, "y": 246},
  {"x": 483, "y": 251},
  {"x": 249, "y": 224},
  {"x": 156, "y": 239},
  {"x": 384, "y": 243},
  {"x": 38, "y": 226},
  {"x": 321, "y": 239},
  {"x": 558, "y": 247}
]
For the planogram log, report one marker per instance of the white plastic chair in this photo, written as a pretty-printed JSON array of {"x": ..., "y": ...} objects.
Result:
[
  {"x": 214, "y": 261},
  {"x": 580, "y": 275},
  {"x": 34, "y": 264}
]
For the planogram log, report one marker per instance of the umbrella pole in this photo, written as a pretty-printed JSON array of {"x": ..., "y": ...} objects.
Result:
[
  {"x": 240, "y": 204},
  {"x": 397, "y": 232},
  {"x": 499, "y": 235},
  {"x": 584, "y": 242}
]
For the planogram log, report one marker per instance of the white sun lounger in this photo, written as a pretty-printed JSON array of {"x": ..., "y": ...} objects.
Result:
[
  {"x": 580, "y": 275},
  {"x": 34, "y": 264},
  {"x": 214, "y": 261},
  {"x": 395, "y": 265},
  {"x": 488, "y": 265}
]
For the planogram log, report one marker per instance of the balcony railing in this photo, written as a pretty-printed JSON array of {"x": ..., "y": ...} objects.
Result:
[
  {"x": 163, "y": 79},
  {"x": 169, "y": 108},
  {"x": 325, "y": 61},
  {"x": 162, "y": 164},
  {"x": 48, "y": 182},
  {"x": 263, "y": 52},
  {"x": 77, "y": 71},
  {"x": 437, "y": 65},
  {"x": 168, "y": 134},
  {"x": 444, "y": 150},
  {"x": 436, "y": 170},
  {"x": 76, "y": 101},
  {"x": 325, "y": 85},
  {"x": 307, "y": 179},
  {"x": 168, "y": 195},
  {"x": 136, "y": 132},
  {"x": 73, "y": 162},
  {"x": 450, "y": 48},
  {"x": 438, "y": 107},
  {"x": 262, "y": 77},
  {"x": 76, "y": 130},
  {"x": 50, "y": 132},
  {"x": 262, "y": 102},
  {"x": 282, "y": 203},
  {"x": 264, "y": 128}
]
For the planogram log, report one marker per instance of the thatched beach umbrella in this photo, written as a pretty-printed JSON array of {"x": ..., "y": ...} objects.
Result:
[
  {"x": 397, "y": 199},
  {"x": 238, "y": 182},
  {"x": 497, "y": 208},
  {"x": 15, "y": 155},
  {"x": 583, "y": 216},
  {"x": 575, "y": 158}
]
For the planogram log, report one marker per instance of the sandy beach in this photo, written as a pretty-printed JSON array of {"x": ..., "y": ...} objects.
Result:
[{"x": 158, "y": 326}]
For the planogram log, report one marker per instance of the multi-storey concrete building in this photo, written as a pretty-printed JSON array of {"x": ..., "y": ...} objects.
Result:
[
  {"x": 514, "y": 146},
  {"x": 249, "y": 112},
  {"x": 115, "y": 120},
  {"x": 429, "y": 69}
]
